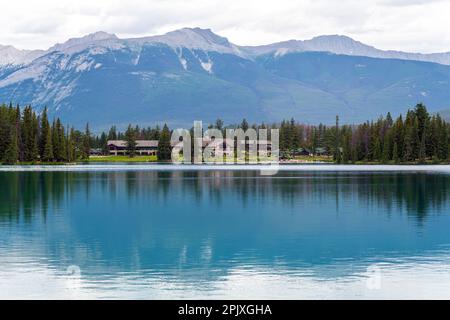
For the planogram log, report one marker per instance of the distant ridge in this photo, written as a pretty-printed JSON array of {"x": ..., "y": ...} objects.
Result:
[
  {"x": 194, "y": 74},
  {"x": 198, "y": 38}
]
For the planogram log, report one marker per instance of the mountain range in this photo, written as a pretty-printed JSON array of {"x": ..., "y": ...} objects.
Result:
[{"x": 194, "y": 74}]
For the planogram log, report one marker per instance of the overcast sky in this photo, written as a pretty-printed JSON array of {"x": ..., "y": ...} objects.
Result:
[{"x": 409, "y": 25}]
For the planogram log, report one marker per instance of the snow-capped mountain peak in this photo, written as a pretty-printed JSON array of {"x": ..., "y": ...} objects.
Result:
[
  {"x": 191, "y": 70},
  {"x": 194, "y": 38},
  {"x": 78, "y": 44}
]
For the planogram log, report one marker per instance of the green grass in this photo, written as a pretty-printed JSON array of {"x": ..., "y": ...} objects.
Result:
[
  {"x": 314, "y": 158},
  {"x": 37, "y": 163},
  {"x": 122, "y": 159}
]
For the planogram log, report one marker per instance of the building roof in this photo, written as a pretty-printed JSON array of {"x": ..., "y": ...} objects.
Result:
[
  {"x": 206, "y": 141},
  {"x": 139, "y": 143}
]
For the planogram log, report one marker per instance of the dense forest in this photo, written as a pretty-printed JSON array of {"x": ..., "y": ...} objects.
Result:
[
  {"x": 28, "y": 138},
  {"x": 417, "y": 137}
]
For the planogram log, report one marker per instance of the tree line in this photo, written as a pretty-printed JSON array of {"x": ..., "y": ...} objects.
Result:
[
  {"x": 417, "y": 137},
  {"x": 28, "y": 137}
]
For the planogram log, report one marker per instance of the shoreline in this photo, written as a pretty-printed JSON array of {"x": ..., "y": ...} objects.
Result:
[
  {"x": 290, "y": 162},
  {"x": 265, "y": 169}
]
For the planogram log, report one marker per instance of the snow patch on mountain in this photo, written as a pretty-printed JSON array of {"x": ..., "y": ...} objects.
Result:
[{"x": 207, "y": 66}]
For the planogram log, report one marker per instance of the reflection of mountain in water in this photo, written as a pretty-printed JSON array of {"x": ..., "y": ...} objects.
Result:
[{"x": 218, "y": 220}]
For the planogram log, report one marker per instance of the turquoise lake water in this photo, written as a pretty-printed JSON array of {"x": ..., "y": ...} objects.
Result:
[{"x": 127, "y": 232}]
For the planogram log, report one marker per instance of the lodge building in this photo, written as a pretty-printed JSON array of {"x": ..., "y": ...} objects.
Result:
[
  {"x": 150, "y": 147},
  {"x": 143, "y": 147}
]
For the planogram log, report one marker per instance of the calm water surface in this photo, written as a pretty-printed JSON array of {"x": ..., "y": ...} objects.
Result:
[{"x": 224, "y": 234}]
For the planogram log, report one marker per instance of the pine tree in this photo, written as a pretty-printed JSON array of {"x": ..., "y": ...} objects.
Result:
[
  {"x": 395, "y": 154},
  {"x": 17, "y": 122},
  {"x": 12, "y": 152},
  {"x": 346, "y": 152},
  {"x": 422, "y": 150},
  {"x": 422, "y": 117},
  {"x": 70, "y": 146},
  {"x": 398, "y": 137},
  {"x": 377, "y": 149},
  {"x": 86, "y": 147},
  {"x": 244, "y": 125},
  {"x": 164, "y": 148},
  {"x": 27, "y": 134},
  {"x": 34, "y": 152},
  {"x": 386, "y": 155},
  {"x": 130, "y": 138},
  {"x": 112, "y": 134},
  {"x": 337, "y": 147},
  {"x": 60, "y": 154},
  {"x": 219, "y": 124},
  {"x": 55, "y": 142},
  {"x": 442, "y": 139},
  {"x": 47, "y": 155},
  {"x": 294, "y": 139},
  {"x": 412, "y": 141},
  {"x": 104, "y": 143},
  {"x": 4, "y": 130},
  {"x": 44, "y": 134}
]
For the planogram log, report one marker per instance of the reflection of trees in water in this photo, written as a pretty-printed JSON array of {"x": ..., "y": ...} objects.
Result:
[{"x": 33, "y": 192}]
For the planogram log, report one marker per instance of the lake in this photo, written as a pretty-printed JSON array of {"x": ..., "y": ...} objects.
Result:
[{"x": 171, "y": 232}]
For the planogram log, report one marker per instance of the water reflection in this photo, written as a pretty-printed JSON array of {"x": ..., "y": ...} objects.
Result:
[
  {"x": 190, "y": 230},
  {"x": 28, "y": 193}
]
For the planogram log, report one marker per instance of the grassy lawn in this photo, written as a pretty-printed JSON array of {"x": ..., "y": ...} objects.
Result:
[
  {"x": 314, "y": 158},
  {"x": 122, "y": 159}
]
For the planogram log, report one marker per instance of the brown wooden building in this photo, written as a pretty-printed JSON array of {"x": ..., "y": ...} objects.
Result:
[{"x": 143, "y": 147}]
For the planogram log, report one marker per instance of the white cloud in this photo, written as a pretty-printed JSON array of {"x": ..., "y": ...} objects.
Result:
[{"x": 410, "y": 25}]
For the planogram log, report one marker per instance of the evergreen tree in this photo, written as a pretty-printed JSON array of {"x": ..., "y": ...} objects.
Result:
[
  {"x": 28, "y": 135},
  {"x": 219, "y": 124},
  {"x": 411, "y": 138},
  {"x": 34, "y": 153},
  {"x": 59, "y": 141},
  {"x": 398, "y": 137},
  {"x": 422, "y": 117},
  {"x": 130, "y": 138},
  {"x": 386, "y": 155},
  {"x": 5, "y": 136},
  {"x": 337, "y": 147},
  {"x": 346, "y": 152},
  {"x": 244, "y": 125},
  {"x": 104, "y": 143},
  {"x": 16, "y": 121},
  {"x": 422, "y": 150},
  {"x": 164, "y": 147},
  {"x": 47, "y": 155},
  {"x": 112, "y": 134},
  {"x": 294, "y": 139},
  {"x": 377, "y": 149},
  {"x": 395, "y": 154},
  {"x": 70, "y": 149},
  {"x": 12, "y": 152},
  {"x": 86, "y": 146},
  {"x": 442, "y": 138},
  {"x": 44, "y": 134},
  {"x": 55, "y": 142}
]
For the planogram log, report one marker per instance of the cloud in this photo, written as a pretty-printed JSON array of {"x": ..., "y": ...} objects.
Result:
[
  {"x": 403, "y": 3},
  {"x": 410, "y": 25}
]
